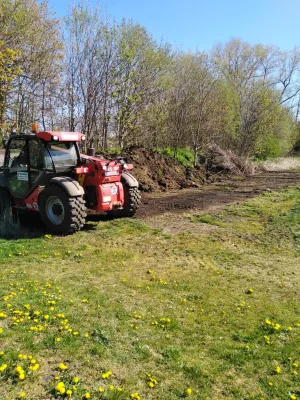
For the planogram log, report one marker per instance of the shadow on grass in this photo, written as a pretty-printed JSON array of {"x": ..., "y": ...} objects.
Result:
[
  {"x": 30, "y": 226},
  {"x": 92, "y": 221},
  {"x": 12, "y": 228}
]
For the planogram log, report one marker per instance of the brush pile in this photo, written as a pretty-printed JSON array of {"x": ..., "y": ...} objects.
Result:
[{"x": 225, "y": 161}]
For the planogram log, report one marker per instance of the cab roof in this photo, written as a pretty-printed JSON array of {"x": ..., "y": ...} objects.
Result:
[{"x": 50, "y": 136}]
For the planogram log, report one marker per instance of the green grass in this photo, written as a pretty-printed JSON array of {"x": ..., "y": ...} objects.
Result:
[
  {"x": 217, "y": 311},
  {"x": 206, "y": 219}
]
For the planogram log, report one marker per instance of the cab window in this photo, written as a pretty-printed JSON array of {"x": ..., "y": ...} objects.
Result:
[
  {"x": 17, "y": 154},
  {"x": 16, "y": 168},
  {"x": 63, "y": 154},
  {"x": 36, "y": 154}
]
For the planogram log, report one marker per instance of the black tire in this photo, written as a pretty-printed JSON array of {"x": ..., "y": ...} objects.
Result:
[
  {"x": 61, "y": 213},
  {"x": 132, "y": 199}
]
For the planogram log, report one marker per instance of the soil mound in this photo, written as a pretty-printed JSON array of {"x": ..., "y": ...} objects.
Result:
[{"x": 155, "y": 171}]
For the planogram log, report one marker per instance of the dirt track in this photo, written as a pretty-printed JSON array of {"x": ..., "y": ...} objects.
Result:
[{"x": 215, "y": 195}]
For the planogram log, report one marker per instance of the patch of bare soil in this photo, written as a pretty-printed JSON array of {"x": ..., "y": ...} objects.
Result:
[{"x": 213, "y": 196}]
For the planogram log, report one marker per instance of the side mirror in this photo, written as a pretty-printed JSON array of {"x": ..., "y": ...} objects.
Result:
[{"x": 121, "y": 160}]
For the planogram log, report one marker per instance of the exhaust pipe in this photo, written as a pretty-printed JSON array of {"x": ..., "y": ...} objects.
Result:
[{"x": 91, "y": 151}]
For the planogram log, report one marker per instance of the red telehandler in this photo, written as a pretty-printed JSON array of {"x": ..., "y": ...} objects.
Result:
[{"x": 45, "y": 173}]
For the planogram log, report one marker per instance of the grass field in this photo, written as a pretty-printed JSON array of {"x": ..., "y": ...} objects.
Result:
[{"x": 124, "y": 311}]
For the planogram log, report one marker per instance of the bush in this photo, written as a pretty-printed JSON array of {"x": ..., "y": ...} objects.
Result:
[
  {"x": 271, "y": 149},
  {"x": 112, "y": 151},
  {"x": 184, "y": 156}
]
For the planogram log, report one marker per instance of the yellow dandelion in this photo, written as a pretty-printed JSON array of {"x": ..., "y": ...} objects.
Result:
[
  {"x": 59, "y": 386},
  {"x": 34, "y": 367}
]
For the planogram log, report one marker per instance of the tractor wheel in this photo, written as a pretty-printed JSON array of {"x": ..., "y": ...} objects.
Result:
[
  {"x": 132, "y": 199},
  {"x": 61, "y": 213}
]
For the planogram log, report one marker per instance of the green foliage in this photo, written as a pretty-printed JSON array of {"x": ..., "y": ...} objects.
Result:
[
  {"x": 30, "y": 43},
  {"x": 184, "y": 156},
  {"x": 9, "y": 70},
  {"x": 270, "y": 148},
  {"x": 276, "y": 132}
]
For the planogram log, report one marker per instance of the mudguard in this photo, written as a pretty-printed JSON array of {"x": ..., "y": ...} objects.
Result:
[
  {"x": 2, "y": 180},
  {"x": 71, "y": 186},
  {"x": 129, "y": 180}
]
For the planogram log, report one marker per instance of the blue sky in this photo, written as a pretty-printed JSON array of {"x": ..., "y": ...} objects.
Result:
[{"x": 191, "y": 24}]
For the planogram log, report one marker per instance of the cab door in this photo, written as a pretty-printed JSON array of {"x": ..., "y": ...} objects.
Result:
[
  {"x": 16, "y": 167},
  {"x": 24, "y": 165}
]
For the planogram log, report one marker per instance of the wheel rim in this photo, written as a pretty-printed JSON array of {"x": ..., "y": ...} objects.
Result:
[{"x": 55, "y": 210}]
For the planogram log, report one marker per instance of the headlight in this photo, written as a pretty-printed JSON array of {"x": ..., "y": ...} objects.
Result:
[
  {"x": 55, "y": 137},
  {"x": 83, "y": 137},
  {"x": 104, "y": 167}
]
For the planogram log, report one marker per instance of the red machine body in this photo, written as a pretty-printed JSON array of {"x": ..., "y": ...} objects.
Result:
[{"x": 101, "y": 180}]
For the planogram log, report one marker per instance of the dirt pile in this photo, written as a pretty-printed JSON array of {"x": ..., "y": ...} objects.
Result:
[
  {"x": 155, "y": 171},
  {"x": 225, "y": 161}
]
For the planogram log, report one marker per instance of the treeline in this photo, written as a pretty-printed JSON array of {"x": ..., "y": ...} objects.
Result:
[{"x": 120, "y": 87}]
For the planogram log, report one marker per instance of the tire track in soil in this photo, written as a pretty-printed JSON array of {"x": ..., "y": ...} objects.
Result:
[{"x": 216, "y": 195}]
